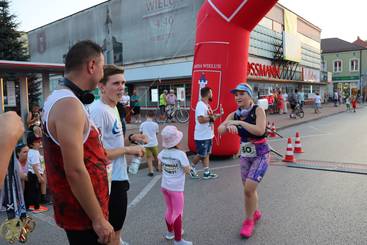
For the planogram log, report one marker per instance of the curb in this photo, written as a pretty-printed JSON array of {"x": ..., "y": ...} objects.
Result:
[
  {"x": 315, "y": 119},
  {"x": 310, "y": 120},
  {"x": 190, "y": 153}
]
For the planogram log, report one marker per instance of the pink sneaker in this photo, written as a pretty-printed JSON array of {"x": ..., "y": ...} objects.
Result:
[
  {"x": 247, "y": 228},
  {"x": 257, "y": 215}
]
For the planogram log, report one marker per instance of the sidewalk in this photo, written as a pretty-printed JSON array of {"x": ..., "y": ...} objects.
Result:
[{"x": 281, "y": 121}]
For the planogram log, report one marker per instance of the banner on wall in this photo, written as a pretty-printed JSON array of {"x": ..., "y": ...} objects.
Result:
[
  {"x": 154, "y": 94},
  {"x": 310, "y": 75},
  {"x": 181, "y": 95}
]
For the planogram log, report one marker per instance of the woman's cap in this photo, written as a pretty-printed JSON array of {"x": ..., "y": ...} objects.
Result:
[{"x": 243, "y": 87}]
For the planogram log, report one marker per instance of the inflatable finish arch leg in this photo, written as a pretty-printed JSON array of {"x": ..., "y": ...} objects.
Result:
[{"x": 220, "y": 59}]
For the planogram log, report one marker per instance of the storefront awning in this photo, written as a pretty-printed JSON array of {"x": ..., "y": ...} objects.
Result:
[
  {"x": 156, "y": 72},
  {"x": 20, "y": 67}
]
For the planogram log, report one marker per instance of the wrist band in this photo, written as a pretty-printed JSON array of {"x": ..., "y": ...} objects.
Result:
[{"x": 211, "y": 119}]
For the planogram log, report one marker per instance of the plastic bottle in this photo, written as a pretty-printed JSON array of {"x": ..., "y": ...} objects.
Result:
[{"x": 134, "y": 166}]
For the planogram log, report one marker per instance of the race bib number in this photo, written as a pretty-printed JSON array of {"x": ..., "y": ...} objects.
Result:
[{"x": 248, "y": 150}]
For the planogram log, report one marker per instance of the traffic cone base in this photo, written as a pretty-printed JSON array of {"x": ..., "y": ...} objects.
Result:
[
  {"x": 272, "y": 131},
  {"x": 289, "y": 156}
]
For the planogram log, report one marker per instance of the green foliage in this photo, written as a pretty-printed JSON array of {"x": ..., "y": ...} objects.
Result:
[{"x": 11, "y": 45}]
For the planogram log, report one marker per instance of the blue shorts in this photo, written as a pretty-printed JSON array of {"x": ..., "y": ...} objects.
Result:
[{"x": 203, "y": 147}]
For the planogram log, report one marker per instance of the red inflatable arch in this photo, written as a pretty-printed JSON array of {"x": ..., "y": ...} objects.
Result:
[{"x": 220, "y": 59}]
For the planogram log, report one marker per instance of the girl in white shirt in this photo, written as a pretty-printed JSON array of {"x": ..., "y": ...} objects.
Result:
[{"x": 174, "y": 165}]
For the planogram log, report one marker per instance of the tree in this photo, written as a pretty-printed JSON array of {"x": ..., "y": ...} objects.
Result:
[
  {"x": 34, "y": 90},
  {"x": 11, "y": 45}
]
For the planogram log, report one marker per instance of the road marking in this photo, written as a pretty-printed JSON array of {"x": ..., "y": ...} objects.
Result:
[
  {"x": 144, "y": 192},
  {"x": 316, "y": 129}
]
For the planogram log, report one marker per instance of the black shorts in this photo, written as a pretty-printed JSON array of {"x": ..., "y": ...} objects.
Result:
[
  {"x": 162, "y": 109},
  {"x": 136, "y": 110},
  {"x": 82, "y": 237},
  {"x": 118, "y": 203}
]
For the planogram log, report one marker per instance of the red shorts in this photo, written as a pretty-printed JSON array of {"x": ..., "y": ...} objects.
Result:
[{"x": 354, "y": 104}]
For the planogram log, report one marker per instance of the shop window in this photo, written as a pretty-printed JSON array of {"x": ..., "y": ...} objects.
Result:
[
  {"x": 354, "y": 65},
  {"x": 266, "y": 22},
  {"x": 337, "y": 66},
  {"x": 277, "y": 27}
]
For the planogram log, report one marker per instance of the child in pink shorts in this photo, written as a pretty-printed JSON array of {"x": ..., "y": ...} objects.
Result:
[{"x": 174, "y": 164}]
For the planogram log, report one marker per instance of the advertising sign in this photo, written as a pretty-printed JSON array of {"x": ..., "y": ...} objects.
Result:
[
  {"x": 181, "y": 95},
  {"x": 154, "y": 94}
]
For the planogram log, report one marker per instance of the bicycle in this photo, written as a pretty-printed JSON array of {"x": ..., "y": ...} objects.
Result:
[
  {"x": 173, "y": 112},
  {"x": 297, "y": 112}
]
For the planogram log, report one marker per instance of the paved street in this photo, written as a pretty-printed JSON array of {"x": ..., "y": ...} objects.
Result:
[{"x": 300, "y": 206}]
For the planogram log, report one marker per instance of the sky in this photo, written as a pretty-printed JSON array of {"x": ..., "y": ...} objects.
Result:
[{"x": 343, "y": 19}]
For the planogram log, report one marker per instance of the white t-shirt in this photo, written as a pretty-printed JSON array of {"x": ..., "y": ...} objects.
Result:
[
  {"x": 318, "y": 99},
  {"x": 34, "y": 157},
  {"x": 125, "y": 100},
  {"x": 203, "y": 131},
  {"x": 173, "y": 176},
  {"x": 150, "y": 129},
  {"x": 108, "y": 122}
]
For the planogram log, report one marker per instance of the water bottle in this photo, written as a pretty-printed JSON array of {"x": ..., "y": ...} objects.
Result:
[{"x": 134, "y": 166}]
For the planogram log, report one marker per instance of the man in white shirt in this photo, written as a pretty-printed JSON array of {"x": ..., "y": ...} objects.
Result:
[
  {"x": 106, "y": 117},
  {"x": 204, "y": 133}
]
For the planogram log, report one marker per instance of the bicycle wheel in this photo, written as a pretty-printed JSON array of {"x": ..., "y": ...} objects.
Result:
[{"x": 182, "y": 115}]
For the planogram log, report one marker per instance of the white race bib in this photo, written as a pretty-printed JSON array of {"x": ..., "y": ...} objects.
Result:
[{"x": 248, "y": 149}]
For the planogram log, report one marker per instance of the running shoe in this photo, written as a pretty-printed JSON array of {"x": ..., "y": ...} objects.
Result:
[
  {"x": 209, "y": 175},
  {"x": 257, "y": 215},
  {"x": 150, "y": 174},
  {"x": 170, "y": 235},
  {"x": 247, "y": 228},
  {"x": 182, "y": 242},
  {"x": 40, "y": 210},
  {"x": 194, "y": 174}
]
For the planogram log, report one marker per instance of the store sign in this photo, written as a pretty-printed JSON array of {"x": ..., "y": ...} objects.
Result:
[
  {"x": 260, "y": 70},
  {"x": 310, "y": 75}
]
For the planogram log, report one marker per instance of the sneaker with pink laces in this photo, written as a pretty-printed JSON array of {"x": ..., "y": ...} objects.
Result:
[
  {"x": 247, "y": 228},
  {"x": 257, "y": 215}
]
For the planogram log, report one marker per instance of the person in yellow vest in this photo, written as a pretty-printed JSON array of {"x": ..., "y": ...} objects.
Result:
[{"x": 163, "y": 104}]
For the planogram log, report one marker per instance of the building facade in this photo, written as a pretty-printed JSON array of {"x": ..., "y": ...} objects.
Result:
[
  {"x": 154, "y": 40},
  {"x": 348, "y": 64}
]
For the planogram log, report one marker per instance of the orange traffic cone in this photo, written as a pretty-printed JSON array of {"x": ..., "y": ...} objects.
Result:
[
  {"x": 289, "y": 156},
  {"x": 273, "y": 130},
  {"x": 297, "y": 144}
]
